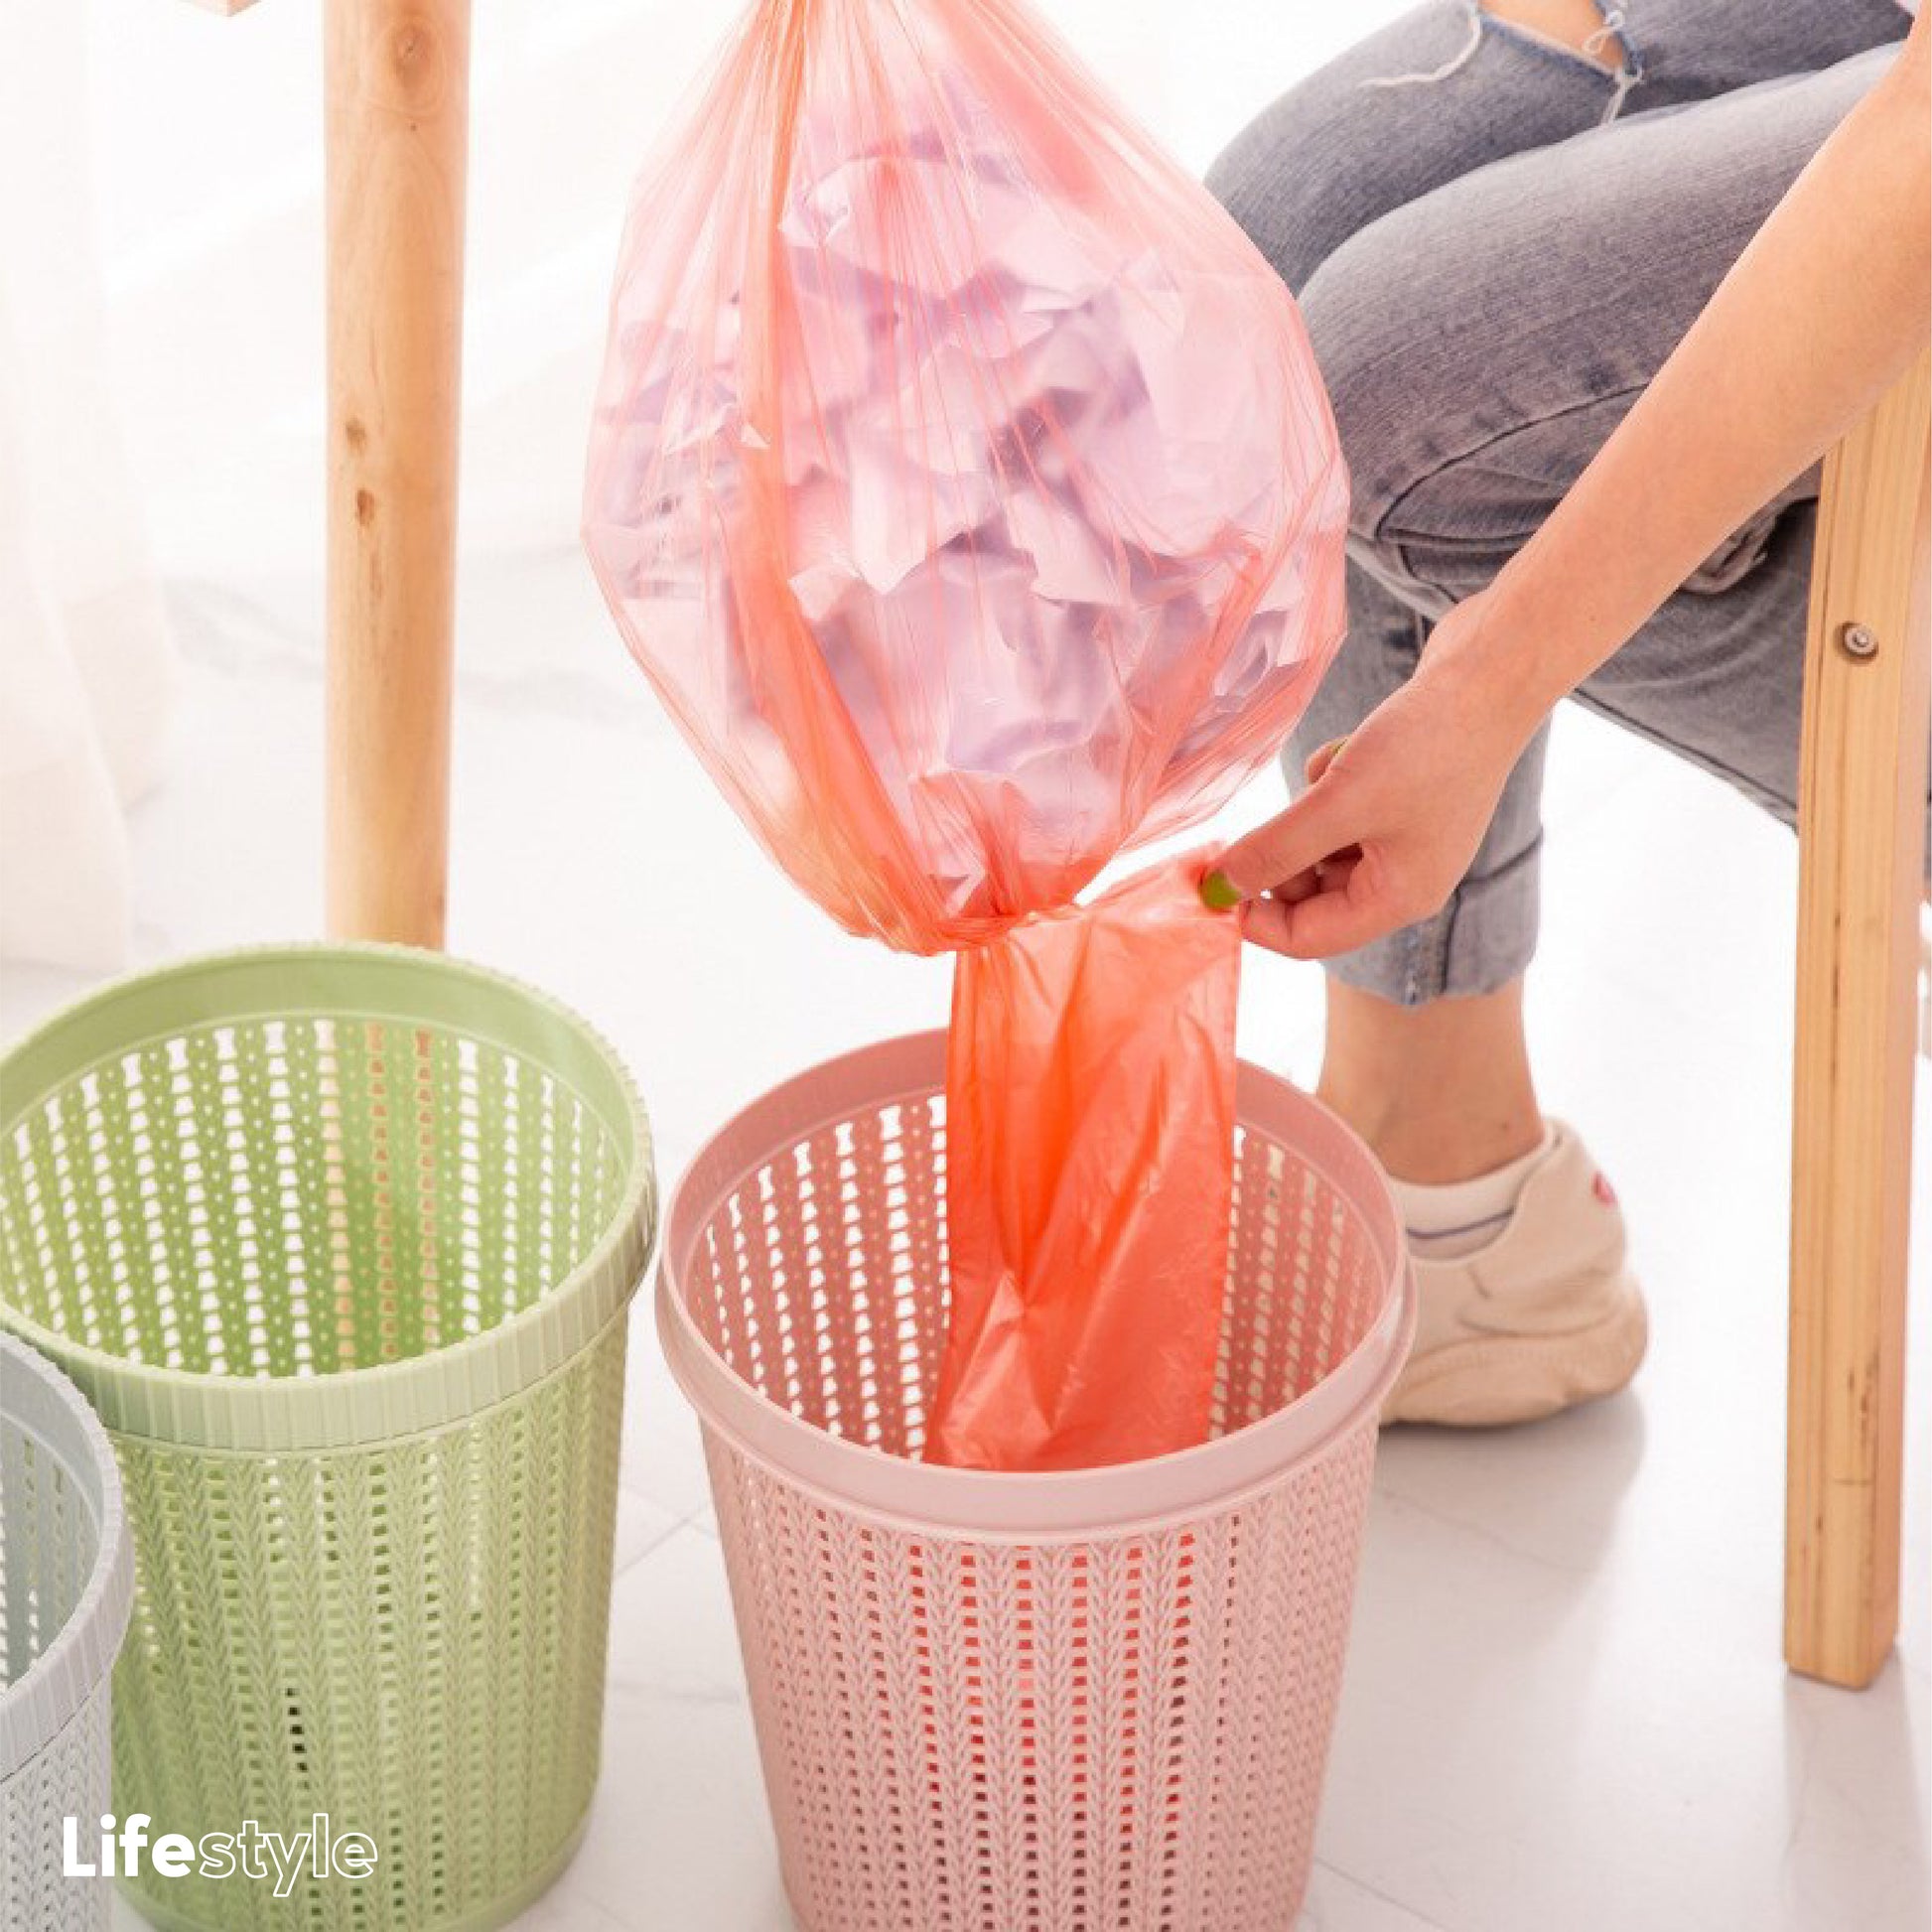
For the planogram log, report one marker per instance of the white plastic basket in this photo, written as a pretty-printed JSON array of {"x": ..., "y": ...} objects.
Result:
[{"x": 67, "y": 1587}]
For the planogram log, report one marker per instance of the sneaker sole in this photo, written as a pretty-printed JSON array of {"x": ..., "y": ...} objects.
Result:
[{"x": 1501, "y": 1379}]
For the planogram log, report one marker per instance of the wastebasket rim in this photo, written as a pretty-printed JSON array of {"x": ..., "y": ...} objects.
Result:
[
  {"x": 1065, "y": 1505},
  {"x": 356, "y": 1406},
  {"x": 39, "y": 1704}
]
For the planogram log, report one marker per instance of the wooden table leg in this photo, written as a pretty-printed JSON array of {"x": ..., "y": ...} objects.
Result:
[
  {"x": 1861, "y": 820},
  {"x": 397, "y": 80}
]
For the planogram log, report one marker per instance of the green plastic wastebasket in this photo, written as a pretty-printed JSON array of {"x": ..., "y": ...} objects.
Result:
[{"x": 341, "y": 1243}]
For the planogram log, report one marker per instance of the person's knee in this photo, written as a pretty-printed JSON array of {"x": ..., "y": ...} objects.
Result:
[
  {"x": 1285, "y": 186},
  {"x": 1342, "y": 146},
  {"x": 1461, "y": 421},
  {"x": 1377, "y": 322},
  {"x": 1363, "y": 134}
]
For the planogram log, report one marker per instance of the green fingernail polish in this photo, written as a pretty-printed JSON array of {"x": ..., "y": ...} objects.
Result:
[{"x": 1217, "y": 889}]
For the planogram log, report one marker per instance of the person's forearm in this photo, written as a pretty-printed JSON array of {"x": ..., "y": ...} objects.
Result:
[{"x": 1821, "y": 313}]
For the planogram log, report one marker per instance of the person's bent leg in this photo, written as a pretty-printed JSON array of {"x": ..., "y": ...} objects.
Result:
[
  {"x": 1453, "y": 86},
  {"x": 1471, "y": 391},
  {"x": 1468, "y": 402},
  {"x": 1478, "y": 346},
  {"x": 1468, "y": 415}
]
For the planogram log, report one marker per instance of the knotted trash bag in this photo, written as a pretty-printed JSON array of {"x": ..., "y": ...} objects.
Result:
[{"x": 960, "y": 475}]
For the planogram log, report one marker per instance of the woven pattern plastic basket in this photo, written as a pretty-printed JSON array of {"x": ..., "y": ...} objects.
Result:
[
  {"x": 341, "y": 1243},
  {"x": 998, "y": 1703},
  {"x": 66, "y": 1582}
]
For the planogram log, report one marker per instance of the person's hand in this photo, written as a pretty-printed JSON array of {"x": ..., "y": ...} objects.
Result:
[{"x": 1393, "y": 814}]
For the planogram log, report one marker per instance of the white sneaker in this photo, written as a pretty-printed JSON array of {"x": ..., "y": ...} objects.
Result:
[{"x": 1544, "y": 1316}]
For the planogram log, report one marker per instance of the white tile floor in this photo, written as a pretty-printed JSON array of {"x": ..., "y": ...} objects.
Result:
[
  {"x": 1564, "y": 1709},
  {"x": 1565, "y": 1705}
]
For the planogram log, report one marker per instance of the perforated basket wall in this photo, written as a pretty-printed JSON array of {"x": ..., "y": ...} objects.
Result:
[
  {"x": 67, "y": 1578},
  {"x": 340, "y": 1242},
  {"x": 1015, "y": 1703}
]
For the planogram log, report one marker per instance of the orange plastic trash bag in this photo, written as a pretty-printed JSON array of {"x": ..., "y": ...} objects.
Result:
[
  {"x": 1089, "y": 1168},
  {"x": 960, "y": 473},
  {"x": 964, "y": 482}
]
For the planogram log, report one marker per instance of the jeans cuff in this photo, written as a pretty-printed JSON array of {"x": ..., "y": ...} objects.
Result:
[{"x": 1484, "y": 937}]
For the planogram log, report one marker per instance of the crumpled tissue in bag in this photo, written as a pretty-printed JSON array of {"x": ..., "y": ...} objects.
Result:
[{"x": 1038, "y": 480}]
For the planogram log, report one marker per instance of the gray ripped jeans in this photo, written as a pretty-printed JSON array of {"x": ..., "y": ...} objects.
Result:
[{"x": 1495, "y": 241}]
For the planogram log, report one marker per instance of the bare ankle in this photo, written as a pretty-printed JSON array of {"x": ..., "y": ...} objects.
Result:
[
  {"x": 1435, "y": 1148},
  {"x": 1441, "y": 1093}
]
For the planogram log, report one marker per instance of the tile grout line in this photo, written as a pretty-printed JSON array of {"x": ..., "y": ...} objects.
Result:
[{"x": 1375, "y": 1891}]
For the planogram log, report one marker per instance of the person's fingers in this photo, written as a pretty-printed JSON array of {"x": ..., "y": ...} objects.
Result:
[
  {"x": 1335, "y": 875},
  {"x": 1304, "y": 884},
  {"x": 1334, "y": 922},
  {"x": 1346, "y": 911},
  {"x": 1265, "y": 923},
  {"x": 1294, "y": 842},
  {"x": 1314, "y": 929},
  {"x": 1329, "y": 876},
  {"x": 1322, "y": 757}
]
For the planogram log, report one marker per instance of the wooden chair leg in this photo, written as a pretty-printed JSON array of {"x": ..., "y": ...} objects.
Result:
[
  {"x": 397, "y": 80},
  {"x": 1862, "y": 830}
]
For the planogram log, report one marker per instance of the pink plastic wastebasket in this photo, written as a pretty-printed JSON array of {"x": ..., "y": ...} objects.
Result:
[{"x": 1027, "y": 1702}]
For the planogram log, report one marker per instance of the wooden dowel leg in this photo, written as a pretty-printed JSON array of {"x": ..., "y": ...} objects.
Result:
[
  {"x": 396, "y": 82},
  {"x": 1861, "y": 820}
]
